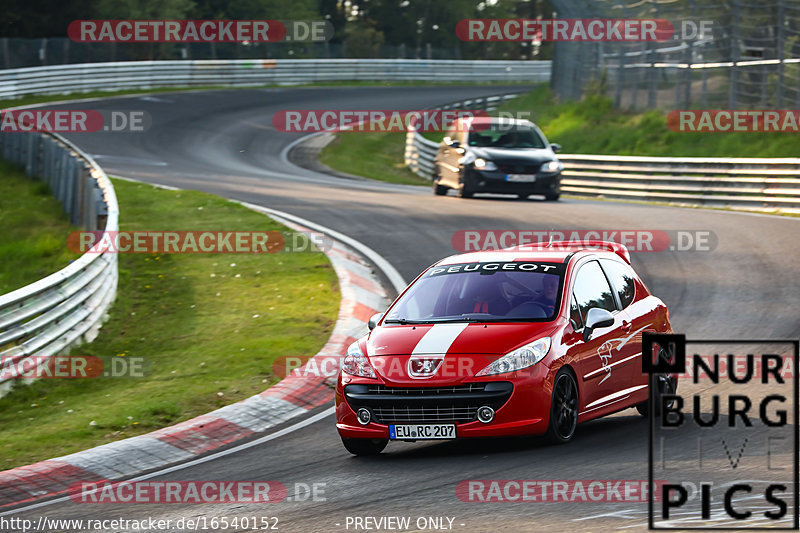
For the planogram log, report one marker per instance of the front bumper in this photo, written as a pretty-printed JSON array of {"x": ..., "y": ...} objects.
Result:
[
  {"x": 495, "y": 182},
  {"x": 525, "y": 411}
]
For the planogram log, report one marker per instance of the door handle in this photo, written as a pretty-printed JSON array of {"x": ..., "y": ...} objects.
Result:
[{"x": 626, "y": 326}]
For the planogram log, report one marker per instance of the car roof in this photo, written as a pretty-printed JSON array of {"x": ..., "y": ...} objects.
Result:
[{"x": 554, "y": 252}]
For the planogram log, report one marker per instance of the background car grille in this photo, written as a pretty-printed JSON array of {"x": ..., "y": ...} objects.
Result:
[
  {"x": 400, "y": 405},
  {"x": 519, "y": 168}
]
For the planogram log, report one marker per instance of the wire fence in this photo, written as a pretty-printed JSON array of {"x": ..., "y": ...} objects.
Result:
[{"x": 748, "y": 57}]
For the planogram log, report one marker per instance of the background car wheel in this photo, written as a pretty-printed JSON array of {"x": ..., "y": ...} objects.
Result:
[
  {"x": 563, "y": 408},
  {"x": 552, "y": 197},
  {"x": 665, "y": 385},
  {"x": 365, "y": 446},
  {"x": 439, "y": 190}
]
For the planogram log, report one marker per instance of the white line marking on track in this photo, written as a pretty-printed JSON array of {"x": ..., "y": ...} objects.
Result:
[
  {"x": 394, "y": 276},
  {"x": 266, "y": 438}
]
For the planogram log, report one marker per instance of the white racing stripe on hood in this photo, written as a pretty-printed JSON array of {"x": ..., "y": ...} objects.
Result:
[{"x": 439, "y": 338}]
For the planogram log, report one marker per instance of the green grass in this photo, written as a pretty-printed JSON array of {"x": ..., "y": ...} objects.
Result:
[
  {"x": 34, "y": 230},
  {"x": 374, "y": 155},
  {"x": 591, "y": 126},
  {"x": 206, "y": 326}
]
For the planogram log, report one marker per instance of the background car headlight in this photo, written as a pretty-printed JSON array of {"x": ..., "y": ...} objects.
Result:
[
  {"x": 483, "y": 164},
  {"x": 552, "y": 166},
  {"x": 523, "y": 357},
  {"x": 356, "y": 363}
]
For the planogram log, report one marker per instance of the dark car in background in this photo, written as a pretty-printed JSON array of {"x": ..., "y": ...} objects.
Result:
[{"x": 497, "y": 155}]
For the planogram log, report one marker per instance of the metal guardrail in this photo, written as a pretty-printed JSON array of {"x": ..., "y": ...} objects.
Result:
[
  {"x": 55, "y": 313},
  {"x": 66, "y": 308},
  {"x": 240, "y": 73},
  {"x": 738, "y": 183}
]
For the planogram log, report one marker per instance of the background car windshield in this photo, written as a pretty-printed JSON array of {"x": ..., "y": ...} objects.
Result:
[
  {"x": 485, "y": 297},
  {"x": 506, "y": 136}
]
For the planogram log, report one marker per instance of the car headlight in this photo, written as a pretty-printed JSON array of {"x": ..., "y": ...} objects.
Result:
[
  {"x": 482, "y": 164},
  {"x": 523, "y": 357},
  {"x": 356, "y": 363},
  {"x": 552, "y": 167}
]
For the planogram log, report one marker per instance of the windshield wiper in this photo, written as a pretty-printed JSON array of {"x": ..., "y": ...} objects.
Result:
[
  {"x": 401, "y": 321},
  {"x": 431, "y": 320}
]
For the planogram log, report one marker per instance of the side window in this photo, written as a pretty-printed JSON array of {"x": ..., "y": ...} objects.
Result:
[
  {"x": 592, "y": 290},
  {"x": 621, "y": 278},
  {"x": 575, "y": 313}
]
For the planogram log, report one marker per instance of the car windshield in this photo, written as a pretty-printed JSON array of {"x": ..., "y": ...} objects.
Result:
[
  {"x": 482, "y": 292},
  {"x": 497, "y": 135}
]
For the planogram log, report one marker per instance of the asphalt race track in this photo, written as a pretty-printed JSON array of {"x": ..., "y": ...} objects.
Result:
[{"x": 223, "y": 142}]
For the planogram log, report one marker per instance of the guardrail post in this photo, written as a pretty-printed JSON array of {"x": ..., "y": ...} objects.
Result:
[{"x": 100, "y": 208}]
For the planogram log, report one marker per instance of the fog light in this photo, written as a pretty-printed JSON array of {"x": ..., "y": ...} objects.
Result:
[
  {"x": 485, "y": 414},
  {"x": 364, "y": 416}
]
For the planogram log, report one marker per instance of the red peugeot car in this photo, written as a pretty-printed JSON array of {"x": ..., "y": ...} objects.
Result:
[{"x": 525, "y": 340}]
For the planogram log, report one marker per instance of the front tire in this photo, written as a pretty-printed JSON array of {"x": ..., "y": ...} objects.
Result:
[
  {"x": 464, "y": 190},
  {"x": 552, "y": 196},
  {"x": 563, "y": 408},
  {"x": 439, "y": 190},
  {"x": 365, "y": 446}
]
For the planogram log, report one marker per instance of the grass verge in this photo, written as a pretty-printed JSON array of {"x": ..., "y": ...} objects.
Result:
[
  {"x": 205, "y": 328},
  {"x": 33, "y": 228},
  {"x": 593, "y": 126},
  {"x": 373, "y": 155}
]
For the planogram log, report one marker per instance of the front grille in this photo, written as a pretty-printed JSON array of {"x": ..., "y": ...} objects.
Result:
[
  {"x": 452, "y": 404},
  {"x": 415, "y": 415},
  {"x": 426, "y": 391}
]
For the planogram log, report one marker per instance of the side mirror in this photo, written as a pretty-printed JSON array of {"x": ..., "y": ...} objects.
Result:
[
  {"x": 596, "y": 318},
  {"x": 555, "y": 147},
  {"x": 373, "y": 320}
]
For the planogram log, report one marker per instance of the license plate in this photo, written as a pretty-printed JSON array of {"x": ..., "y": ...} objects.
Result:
[
  {"x": 524, "y": 178},
  {"x": 422, "y": 431}
]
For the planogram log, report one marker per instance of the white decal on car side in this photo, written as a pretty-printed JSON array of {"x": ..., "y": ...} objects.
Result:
[{"x": 604, "y": 351}]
